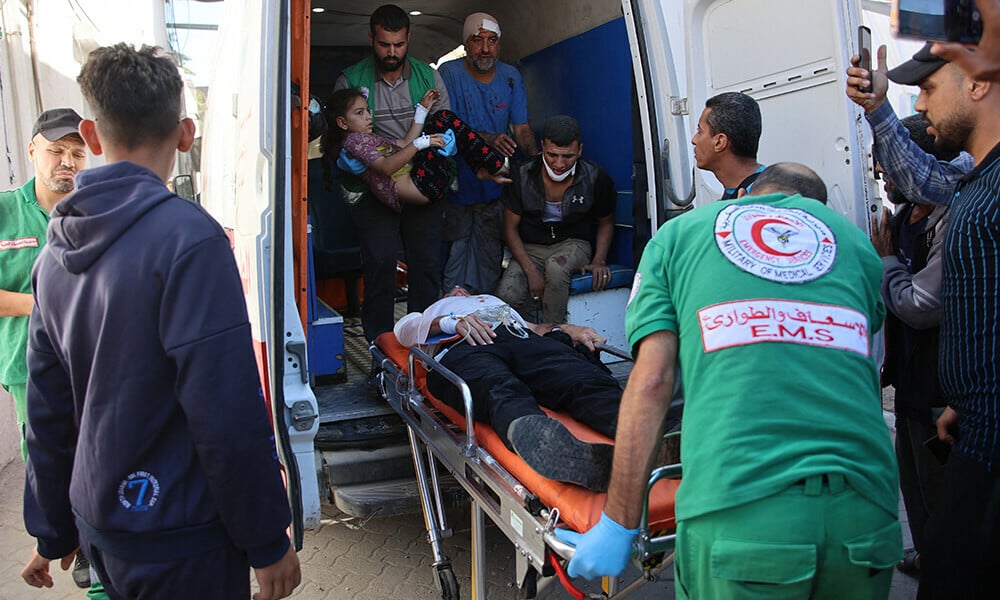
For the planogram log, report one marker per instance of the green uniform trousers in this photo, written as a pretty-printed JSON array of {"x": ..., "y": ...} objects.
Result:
[
  {"x": 817, "y": 539},
  {"x": 18, "y": 392}
]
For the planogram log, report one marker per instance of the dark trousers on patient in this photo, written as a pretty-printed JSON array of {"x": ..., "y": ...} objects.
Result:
[
  {"x": 512, "y": 377},
  {"x": 432, "y": 172},
  {"x": 963, "y": 535}
]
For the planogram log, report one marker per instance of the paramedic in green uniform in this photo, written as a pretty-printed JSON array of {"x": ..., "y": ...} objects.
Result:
[
  {"x": 57, "y": 151},
  {"x": 769, "y": 303}
]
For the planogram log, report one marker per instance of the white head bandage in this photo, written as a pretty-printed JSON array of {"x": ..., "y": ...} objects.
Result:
[{"x": 477, "y": 21}]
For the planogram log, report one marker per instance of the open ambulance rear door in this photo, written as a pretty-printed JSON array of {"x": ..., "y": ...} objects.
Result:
[
  {"x": 789, "y": 55},
  {"x": 247, "y": 187}
]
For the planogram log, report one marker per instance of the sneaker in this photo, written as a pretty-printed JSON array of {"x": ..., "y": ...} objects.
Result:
[
  {"x": 553, "y": 452},
  {"x": 81, "y": 571}
]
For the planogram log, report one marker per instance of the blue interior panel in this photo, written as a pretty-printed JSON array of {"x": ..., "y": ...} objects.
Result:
[{"x": 594, "y": 75}]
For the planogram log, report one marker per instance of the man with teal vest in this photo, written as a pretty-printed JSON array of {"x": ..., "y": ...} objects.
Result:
[{"x": 394, "y": 83}]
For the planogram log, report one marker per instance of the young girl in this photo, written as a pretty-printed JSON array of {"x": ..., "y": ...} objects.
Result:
[{"x": 412, "y": 170}]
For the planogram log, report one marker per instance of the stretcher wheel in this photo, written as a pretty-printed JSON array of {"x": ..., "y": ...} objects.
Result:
[{"x": 448, "y": 583}]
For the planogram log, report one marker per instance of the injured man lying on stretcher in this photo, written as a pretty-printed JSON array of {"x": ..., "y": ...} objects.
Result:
[{"x": 513, "y": 366}]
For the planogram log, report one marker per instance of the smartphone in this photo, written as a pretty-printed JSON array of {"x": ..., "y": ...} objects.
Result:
[
  {"x": 938, "y": 448},
  {"x": 941, "y": 20},
  {"x": 865, "y": 52}
]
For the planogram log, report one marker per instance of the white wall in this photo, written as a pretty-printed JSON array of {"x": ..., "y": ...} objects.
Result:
[{"x": 41, "y": 57}]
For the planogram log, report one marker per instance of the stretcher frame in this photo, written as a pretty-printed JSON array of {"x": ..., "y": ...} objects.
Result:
[{"x": 495, "y": 493}]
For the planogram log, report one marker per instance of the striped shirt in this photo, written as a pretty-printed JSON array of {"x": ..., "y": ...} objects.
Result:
[{"x": 970, "y": 318}]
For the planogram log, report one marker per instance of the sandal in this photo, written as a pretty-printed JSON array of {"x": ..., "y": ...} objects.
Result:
[{"x": 909, "y": 563}]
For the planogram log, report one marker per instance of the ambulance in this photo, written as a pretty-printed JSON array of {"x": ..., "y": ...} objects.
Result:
[{"x": 634, "y": 73}]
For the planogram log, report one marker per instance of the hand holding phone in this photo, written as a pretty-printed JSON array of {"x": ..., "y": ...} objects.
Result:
[
  {"x": 865, "y": 54},
  {"x": 938, "y": 447}
]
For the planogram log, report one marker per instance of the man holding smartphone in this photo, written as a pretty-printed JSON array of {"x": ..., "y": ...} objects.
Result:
[{"x": 964, "y": 113}]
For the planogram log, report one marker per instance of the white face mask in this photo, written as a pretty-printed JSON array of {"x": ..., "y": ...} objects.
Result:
[{"x": 552, "y": 174}]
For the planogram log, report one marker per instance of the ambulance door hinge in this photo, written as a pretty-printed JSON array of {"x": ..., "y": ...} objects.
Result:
[{"x": 678, "y": 106}]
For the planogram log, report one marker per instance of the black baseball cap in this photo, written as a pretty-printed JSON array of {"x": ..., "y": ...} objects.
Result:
[
  {"x": 920, "y": 67},
  {"x": 56, "y": 123}
]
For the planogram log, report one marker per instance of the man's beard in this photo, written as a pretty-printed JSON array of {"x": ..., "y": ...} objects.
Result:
[
  {"x": 483, "y": 65},
  {"x": 390, "y": 63},
  {"x": 58, "y": 185},
  {"x": 953, "y": 132}
]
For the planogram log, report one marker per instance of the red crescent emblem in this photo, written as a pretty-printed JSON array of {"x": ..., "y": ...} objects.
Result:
[{"x": 758, "y": 239}]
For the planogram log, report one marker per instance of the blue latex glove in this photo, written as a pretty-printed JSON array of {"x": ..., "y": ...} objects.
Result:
[
  {"x": 449, "y": 148},
  {"x": 604, "y": 550},
  {"x": 349, "y": 164}
]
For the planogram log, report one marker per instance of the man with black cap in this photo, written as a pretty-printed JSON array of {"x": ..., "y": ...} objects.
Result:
[
  {"x": 490, "y": 96},
  {"x": 918, "y": 175},
  {"x": 57, "y": 152},
  {"x": 549, "y": 209},
  {"x": 963, "y": 534}
]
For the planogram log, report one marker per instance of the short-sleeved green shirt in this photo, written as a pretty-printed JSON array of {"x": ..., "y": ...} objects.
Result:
[
  {"x": 774, "y": 300},
  {"x": 22, "y": 234}
]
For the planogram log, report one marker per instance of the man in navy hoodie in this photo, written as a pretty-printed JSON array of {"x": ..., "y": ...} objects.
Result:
[{"x": 148, "y": 443}]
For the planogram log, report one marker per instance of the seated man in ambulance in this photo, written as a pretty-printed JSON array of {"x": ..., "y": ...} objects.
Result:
[
  {"x": 512, "y": 368},
  {"x": 552, "y": 205}
]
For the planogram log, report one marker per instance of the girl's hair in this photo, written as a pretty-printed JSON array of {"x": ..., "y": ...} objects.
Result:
[{"x": 337, "y": 106}]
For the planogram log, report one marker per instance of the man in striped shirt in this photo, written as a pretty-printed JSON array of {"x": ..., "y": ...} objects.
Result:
[{"x": 964, "y": 533}]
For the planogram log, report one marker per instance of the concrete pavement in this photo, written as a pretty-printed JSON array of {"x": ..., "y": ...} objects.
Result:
[{"x": 345, "y": 558}]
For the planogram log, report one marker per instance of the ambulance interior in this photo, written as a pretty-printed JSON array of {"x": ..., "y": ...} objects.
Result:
[{"x": 574, "y": 60}]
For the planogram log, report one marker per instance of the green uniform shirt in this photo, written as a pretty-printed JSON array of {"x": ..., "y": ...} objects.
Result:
[
  {"x": 22, "y": 234},
  {"x": 774, "y": 300}
]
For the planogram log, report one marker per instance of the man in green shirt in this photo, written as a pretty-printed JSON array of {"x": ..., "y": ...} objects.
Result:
[
  {"x": 57, "y": 152},
  {"x": 770, "y": 303}
]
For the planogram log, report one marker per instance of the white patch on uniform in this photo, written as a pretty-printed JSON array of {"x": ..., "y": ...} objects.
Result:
[
  {"x": 19, "y": 243},
  {"x": 139, "y": 491},
  {"x": 786, "y": 245},
  {"x": 745, "y": 322},
  {"x": 636, "y": 282}
]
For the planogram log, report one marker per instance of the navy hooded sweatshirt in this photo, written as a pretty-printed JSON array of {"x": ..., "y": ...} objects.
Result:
[{"x": 145, "y": 419}]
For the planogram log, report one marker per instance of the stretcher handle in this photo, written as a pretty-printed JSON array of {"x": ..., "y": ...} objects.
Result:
[
  {"x": 469, "y": 449},
  {"x": 567, "y": 551},
  {"x": 647, "y": 546},
  {"x": 668, "y": 471},
  {"x": 613, "y": 351},
  {"x": 558, "y": 546}
]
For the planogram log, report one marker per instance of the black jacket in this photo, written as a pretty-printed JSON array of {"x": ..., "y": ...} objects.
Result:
[
  {"x": 911, "y": 357},
  {"x": 145, "y": 416},
  {"x": 590, "y": 197}
]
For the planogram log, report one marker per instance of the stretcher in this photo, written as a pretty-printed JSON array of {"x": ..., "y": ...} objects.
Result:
[{"x": 523, "y": 505}]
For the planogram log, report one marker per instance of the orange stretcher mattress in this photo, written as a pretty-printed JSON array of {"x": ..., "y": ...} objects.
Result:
[{"x": 579, "y": 507}]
